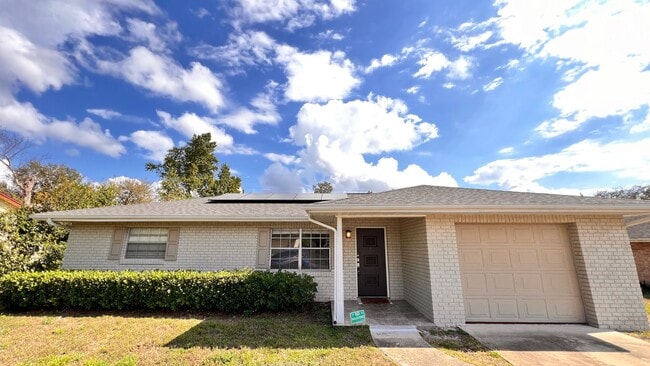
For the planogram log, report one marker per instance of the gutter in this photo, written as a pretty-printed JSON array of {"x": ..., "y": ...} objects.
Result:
[
  {"x": 575, "y": 209},
  {"x": 50, "y": 222},
  {"x": 95, "y": 218}
]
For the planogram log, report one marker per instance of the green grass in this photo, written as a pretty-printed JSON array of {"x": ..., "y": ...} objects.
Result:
[
  {"x": 457, "y": 343},
  {"x": 182, "y": 338}
]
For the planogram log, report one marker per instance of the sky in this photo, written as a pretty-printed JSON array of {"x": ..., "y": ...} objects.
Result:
[{"x": 540, "y": 96}]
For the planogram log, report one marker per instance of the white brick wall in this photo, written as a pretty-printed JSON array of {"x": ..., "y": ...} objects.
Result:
[
  {"x": 417, "y": 279},
  {"x": 202, "y": 246}
]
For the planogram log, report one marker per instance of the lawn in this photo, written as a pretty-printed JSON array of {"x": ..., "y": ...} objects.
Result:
[
  {"x": 181, "y": 338},
  {"x": 457, "y": 343}
]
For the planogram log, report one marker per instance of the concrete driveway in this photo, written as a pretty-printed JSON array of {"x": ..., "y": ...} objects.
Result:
[{"x": 566, "y": 344}]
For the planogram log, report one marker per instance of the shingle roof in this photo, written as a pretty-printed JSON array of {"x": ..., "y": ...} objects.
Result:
[
  {"x": 419, "y": 199},
  {"x": 639, "y": 232},
  {"x": 455, "y": 199},
  {"x": 197, "y": 209}
]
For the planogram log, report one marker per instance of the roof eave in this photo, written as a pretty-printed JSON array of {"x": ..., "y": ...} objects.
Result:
[
  {"x": 165, "y": 218},
  {"x": 503, "y": 209}
]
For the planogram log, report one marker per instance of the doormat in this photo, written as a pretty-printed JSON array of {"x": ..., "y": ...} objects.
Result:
[{"x": 374, "y": 300}]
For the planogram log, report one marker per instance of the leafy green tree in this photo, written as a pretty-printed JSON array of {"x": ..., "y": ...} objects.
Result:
[
  {"x": 131, "y": 191},
  {"x": 634, "y": 192},
  {"x": 323, "y": 187},
  {"x": 29, "y": 245},
  {"x": 193, "y": 171}
]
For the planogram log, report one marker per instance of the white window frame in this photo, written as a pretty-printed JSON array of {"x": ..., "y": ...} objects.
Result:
[
  {"x": 128, "y": 238},
  {"x": 300, "y": 249}
]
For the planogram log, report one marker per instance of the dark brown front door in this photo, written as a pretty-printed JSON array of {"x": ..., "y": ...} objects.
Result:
[{"x": 371, "y": 268}]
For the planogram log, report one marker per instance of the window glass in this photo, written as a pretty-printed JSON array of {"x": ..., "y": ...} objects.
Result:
[
  {"x": 300, "y": 249},
  {"x": 147, "y": 243}
]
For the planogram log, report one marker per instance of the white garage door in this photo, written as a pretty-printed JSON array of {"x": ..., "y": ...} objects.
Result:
[{"x": 518, "y": 273}]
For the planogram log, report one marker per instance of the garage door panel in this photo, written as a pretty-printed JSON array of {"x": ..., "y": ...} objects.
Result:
[
  {"x": 474, "y": 283},
  {"x": 496, "y": 258},
  {"x": 478, "y": 308},
  {"x": 471, "y": 258},
  {"x": 533, "y": 309},
  {"x": 518, "y": 273},
  {"x": 504, "y": 309},
  {"x": 526, "y": 259},
  {"x": 494, "y": 234}
]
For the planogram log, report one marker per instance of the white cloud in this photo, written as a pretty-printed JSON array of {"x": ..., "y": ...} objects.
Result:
[
  {"x": 493, "y": 84},
  {"x": 413, "y": 90},
  {"x": 330, "y": 34},
  {"x": 430, "y": 62},
  {"x": 157, "y": 38},
  {"x": 245, "y": 48},
  {"x": 642, "y": 126},
  {"x": 334, "y": 137},
  {"x": 201, "y": 12},
  {"x": 164, "y": 76},
  {"x": 467, "y": 43},
  {"x": 104, "y": 113},
  {"x": 602, "y": 81},
  {"x": 25, "y": 120},
  {"x": 156, "y": 143},
  {"x": 282, "y": 158},
  {"x": 277, "y": 178},
  {"x": 23, "y": 62},
  {"x": 189, "y": 124},
  {"x": 460, "y": 68},
  {"x": 295, "y": 13},
  {"x": 619, "y": 158},
  {"x": 507, "y": 150},
  {"x": 263, "y": 111},
  {"x": 318, "y": 76},
  {"x": 385, "y": 61},
  {"x": 449, "y": 85}
]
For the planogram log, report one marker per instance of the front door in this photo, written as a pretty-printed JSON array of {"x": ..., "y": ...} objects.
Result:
[{"x": 371, "y": 262}]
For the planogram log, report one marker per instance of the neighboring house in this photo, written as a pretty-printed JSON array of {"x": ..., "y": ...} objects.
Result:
[
  {"x": 7, "y": 203},
  {"x": 640, "y": 242},
  {"x": 456, "y": 254}
]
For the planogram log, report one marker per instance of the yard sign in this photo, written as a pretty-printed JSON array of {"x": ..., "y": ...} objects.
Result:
[{"x": 357, "y": 317}]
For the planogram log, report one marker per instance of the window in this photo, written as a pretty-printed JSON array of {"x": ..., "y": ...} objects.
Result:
[
  {"x": 300, "y": 249},
  {"x": 149, "y": 243}
]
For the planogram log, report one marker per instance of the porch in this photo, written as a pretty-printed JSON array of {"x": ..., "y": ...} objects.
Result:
[{"x": 397, "y": 312}]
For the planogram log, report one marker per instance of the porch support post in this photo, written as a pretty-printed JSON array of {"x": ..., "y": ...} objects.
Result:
[{"x": 339, "y": 312}]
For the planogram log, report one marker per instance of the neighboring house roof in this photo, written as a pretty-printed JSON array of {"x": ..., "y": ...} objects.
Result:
[
  {"x": 229, "y": 207},
  {"x": 9, "y": 201},
  {"x": 453, "y": 199},
  {"x": 639, "y": 232},
  {"x": 420, "y": 199}
]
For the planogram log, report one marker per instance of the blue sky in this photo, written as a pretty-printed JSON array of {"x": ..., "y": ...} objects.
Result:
[{"x": 543, "y": 96}]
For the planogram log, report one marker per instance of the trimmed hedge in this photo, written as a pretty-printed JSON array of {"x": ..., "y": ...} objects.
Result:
[{"x": 242, "y": 291}]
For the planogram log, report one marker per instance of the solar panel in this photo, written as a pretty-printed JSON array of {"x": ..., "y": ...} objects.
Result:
[{"x": 276, "y": 197}]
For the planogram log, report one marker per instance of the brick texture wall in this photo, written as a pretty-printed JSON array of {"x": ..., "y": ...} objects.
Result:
[
  {"x": 641, "y": 252},
  {"x": 202, "y": 246},
  {"x": 417, "y": 279}
]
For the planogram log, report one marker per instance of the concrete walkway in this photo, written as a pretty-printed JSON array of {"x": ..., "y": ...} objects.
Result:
[
  {"x": 404, "y": 345},
  {"x": 566, "y": 344}
]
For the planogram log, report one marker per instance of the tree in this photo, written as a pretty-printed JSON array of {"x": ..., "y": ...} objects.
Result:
[
  {"x": 323, "y": 187},
  {"x": 12, "y": 148},
  {"x": 193, "y": 171},
  {"x": 635, "y": 192},
  {"x": 130, "y": 191}
]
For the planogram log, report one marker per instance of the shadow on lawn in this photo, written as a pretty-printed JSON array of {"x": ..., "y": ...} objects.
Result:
[{"x": 311, "y": 329}]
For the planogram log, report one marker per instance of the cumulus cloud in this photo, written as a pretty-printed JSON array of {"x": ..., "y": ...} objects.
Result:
[
  {"x": 26, "y": 121},
  {"x": 157, "y": 38},
  {"x": 242, "y": 48},
  {"x": 600, "y": 81},
  {"x": 156, "y": 143},
  {"x": 277, "y": 178},
  {"x": 430, "y": 62},
  {"x": 282, "y": 158},
  {"x": 331, "y": 72},
  {"x": 162, "y": 75},
  {"x": 262, "y": 110},
  {"x": 467, "y": 43},
  {"x": 330, "y": 34},
  {"x": 190, "y": 124},
  {"x": 294, "y": 13},
  {"x": 619, "y": 158},
  {"x": 104, "y": 113},
  {"x": 385, "y": 61},
  {"x": 335, "y": 137}
]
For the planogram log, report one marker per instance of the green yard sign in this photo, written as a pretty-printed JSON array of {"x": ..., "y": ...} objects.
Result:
[{"x": 357, "y": 317}]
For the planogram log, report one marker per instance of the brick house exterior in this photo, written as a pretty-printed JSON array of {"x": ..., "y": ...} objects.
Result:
[
  {"x": 425, "y": 263},
  {"x": 640, "y": 242}
]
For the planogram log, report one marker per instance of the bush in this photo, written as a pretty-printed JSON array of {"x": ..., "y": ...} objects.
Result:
[{"x": 242, "y": 291}]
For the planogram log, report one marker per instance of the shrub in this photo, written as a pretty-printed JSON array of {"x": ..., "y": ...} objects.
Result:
[{"x": 242, "y": 291}]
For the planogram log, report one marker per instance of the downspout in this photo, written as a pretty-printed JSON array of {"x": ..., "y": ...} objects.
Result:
[
  {"x": 337, "y": 310},
  {"x": 50, "y": 222}
]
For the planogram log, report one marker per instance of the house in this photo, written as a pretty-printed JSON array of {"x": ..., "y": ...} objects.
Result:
[
  {"x": 7, "y": 203},
  {"x": 455, "y": 254},
  {"x": 640, "y": 242}
]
